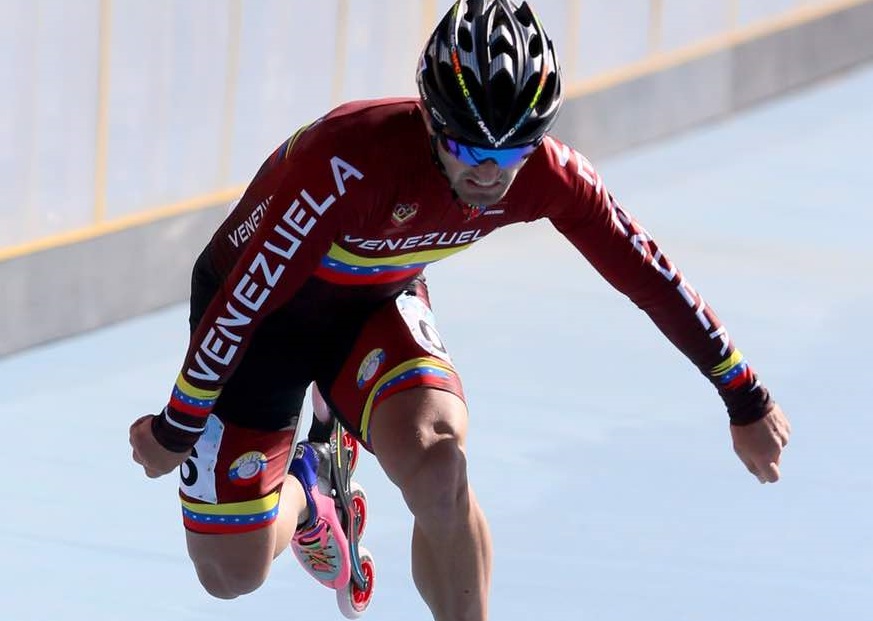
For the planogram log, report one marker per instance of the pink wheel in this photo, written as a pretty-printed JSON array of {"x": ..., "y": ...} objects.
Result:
[{"x": 352, "y": 600}]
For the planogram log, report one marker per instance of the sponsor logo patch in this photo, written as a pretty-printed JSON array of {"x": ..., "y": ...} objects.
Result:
[
  {"x": 403, "y": 213},
  {"x": 471, "y": 212},
  {"x": 369, "y": 366},
  {"x": 247, "y": 468}
]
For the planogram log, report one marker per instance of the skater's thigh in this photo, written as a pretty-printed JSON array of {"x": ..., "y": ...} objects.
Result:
[
  {"x": 229, "y": 490},
  {"x": 420, "y": 431},
  {"x": 231, "y": 483},
  {"x": 397, "y": 352}
]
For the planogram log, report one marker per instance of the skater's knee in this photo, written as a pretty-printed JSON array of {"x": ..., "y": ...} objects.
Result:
[
  {"x": 230, "y": 565},
  {"x": 229, "y": 581},
  {"x": 418, "y": 437},
  {"x": 435, "y": 485},
  {"x": 440, "y": 481}
]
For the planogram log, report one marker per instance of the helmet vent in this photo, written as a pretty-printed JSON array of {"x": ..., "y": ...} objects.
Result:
[
  {"x": 502, "y": 64},
  {"x": 500, "y": 46},
  {"x": 465, "y": 39},
  {"x": 524, "y": 15},
  {"x": 535, "y": 46}
]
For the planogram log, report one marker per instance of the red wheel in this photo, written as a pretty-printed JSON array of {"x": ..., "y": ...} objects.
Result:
[
  {"x": 358, "y": 501},
  {"x": 352, "y": 600},
  {"x": 354, "y": 450}
]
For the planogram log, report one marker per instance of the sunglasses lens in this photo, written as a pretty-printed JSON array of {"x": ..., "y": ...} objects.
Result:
[{"x": 473, "y": 156}]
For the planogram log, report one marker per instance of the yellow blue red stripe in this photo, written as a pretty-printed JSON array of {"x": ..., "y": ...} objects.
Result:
[
  {"x": 733, "y": 372},
  {"x": 424, "y": 371},
  {"x": 192, "y": 400},
  {"x": 343, "y": 267},
  {"x": 234, "y": 517}
]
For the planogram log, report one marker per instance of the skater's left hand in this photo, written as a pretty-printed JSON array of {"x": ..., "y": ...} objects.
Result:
[{"x": 759, "y": 445}]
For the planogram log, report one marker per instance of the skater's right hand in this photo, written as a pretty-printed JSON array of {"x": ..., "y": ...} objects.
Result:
[{"x": 148, "y": 453}]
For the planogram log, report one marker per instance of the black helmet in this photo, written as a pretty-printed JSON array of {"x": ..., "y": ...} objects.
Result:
[{"x": 489, "y": 74}]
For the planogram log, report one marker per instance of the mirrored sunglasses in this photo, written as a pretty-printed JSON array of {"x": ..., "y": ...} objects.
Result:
[{"x": 473, "y": 156}]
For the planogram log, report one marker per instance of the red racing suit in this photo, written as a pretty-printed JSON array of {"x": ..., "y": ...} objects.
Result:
[{"x": 356, "y": 200}]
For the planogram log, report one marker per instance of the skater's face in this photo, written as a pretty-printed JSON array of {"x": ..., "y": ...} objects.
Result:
[
  {"x": 479, "y": 176},
  {"x": 482, "y": 184}
]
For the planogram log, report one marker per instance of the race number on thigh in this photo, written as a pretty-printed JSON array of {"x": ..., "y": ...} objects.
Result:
[
  {"x": 420, "y": 320},
  {"x": 198, "y": 471}
]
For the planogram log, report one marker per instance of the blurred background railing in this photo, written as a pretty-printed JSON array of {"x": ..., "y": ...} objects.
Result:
[{"x": 125, "y": 111}]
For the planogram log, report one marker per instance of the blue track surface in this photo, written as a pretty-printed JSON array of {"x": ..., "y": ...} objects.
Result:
[{"x": 600, "y": 455}]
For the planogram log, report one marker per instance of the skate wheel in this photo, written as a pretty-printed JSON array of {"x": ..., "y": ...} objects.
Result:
[
  {"x": 358, "y": 501},
  {"x": 353, "y": 600},
  {"x": 354, "y": 450}
]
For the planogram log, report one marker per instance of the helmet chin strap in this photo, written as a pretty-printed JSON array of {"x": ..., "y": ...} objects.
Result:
[
  {"x": 439, "y": 164},
  {"x": 434, "y": 155}
]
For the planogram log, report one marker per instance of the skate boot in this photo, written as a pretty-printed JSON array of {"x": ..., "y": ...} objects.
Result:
[
  {"x": 328, "y": 544},
  {"x": 320, "y": 545}
]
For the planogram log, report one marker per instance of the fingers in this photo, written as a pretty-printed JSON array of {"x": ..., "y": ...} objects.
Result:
[
  {"x": 765, "y": 473},
  {"x": 780, "y": 433},
  {"x": 770, "y": 473},
  {"x": 779, "y": 424},
  {"x": 152, "y": 473},
  {"x": 134, "y": 434},
  {"x": 132, "y": 439},
  {"x": 783, "y": 436},
  {"x": 751, "y": 468},
  {"x": 760, "y": 444},
  {"x": 139, "y": 421}
]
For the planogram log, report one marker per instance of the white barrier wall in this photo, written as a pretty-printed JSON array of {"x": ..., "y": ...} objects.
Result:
[
  {"x": 127, "y": 107},
  {"x": 134, "y": 122},
  {"x": 49, "y": 54}
]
